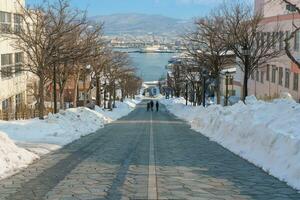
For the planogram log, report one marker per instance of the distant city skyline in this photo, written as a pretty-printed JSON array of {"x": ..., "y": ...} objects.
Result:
[{"x": 181, "y": 9}]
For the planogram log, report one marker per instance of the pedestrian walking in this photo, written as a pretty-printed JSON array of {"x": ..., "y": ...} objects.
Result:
[
  {"x": 151, "y": 105},
  {"x": 157, "y": 106},
  {"x": 148, "y": 107}
]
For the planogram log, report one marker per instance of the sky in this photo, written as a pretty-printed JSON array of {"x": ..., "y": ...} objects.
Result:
[{"x": 181, "y": 9}]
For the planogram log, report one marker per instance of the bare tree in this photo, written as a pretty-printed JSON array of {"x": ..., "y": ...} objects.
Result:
[
  {"x": 246, "y": 36},
  {"x": 207, "y": 48},
  {"x": 294, "y": 7},
  {"x": 40, "y": 37}
]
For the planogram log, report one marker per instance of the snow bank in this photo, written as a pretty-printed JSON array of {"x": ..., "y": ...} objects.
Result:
[
  {"x": 43, "y": 136},
  {"x": 123, "y": 109},
  {"x": 65, "y": 126},
  {"x": 266, "y": 134},
  {"x": 12, "y": 157}
]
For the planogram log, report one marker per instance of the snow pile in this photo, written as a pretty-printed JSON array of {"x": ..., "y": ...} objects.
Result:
[
  {"x": 12, "y": 157},
  {"x": 266, "y": 134},
  {"x": 61, "y": 128},
  {"x": 43, "y": 136},
  {"x": 65, "y": 126},
  {"x": 122, "y": 109}
]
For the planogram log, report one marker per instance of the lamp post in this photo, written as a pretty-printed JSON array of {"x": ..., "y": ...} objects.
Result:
[
  {"x": 227, "y": 84},
  {"x": 186, "y": 92},
  {"x": 204, "y": 75},
  {"x": 246, "y": 53}
]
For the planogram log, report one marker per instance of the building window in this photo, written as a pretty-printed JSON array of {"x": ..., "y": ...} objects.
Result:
[
  {"x": 262, "y": 39},
  {"x": 268, "y": 73},
  {"x": 291, "y": 8},
  {"x": 296, "y": 82},
  {"x": 19, "y": 101},
  {"x": 281, "y": 40},
  {"x": 269, "y": 39},
  {"x": 280, "y": 77},
  {"x": 6, "y": 65},
  {"x": 258, "y": 39},
  {"x": 262, "y": 76},
  {"x": 17, "y": 23},
  {"x": 5, "y": 22},
  {"x": 5, "y": 105},
  {"x": 274, "y": 40},
  {"x": 274, "y": 69},
  {"x": 19, "y": 58},
  {"x": 287, "y": 78}
]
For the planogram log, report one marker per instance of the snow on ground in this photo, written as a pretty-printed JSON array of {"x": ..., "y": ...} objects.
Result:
[
  {"x": 39, "y": 137},
  {"x": 12, "y": 157},
  {"x": 265, "y": 133}
]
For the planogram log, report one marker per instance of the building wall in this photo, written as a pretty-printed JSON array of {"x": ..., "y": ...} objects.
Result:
[
  {"x": 265, "y": 88},
  {"x": 12, "y": 88},
  {"x": 272, "y": 8}
]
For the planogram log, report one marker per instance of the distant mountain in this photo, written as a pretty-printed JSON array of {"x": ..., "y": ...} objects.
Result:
[{"x": 141, "y": 24}]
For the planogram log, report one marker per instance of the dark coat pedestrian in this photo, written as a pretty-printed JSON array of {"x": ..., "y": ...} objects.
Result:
[
  {"x": 151, "y": 105},
  {"x": 157, "y": 106},
  {"x": 148, "y": 106}
]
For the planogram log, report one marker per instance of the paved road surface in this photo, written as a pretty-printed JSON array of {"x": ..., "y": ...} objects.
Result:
[{"x": 144, "y": 156}]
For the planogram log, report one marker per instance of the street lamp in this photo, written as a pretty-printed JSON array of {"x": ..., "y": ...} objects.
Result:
[
  {"x": 226, "y": 83},
  {"x": 246, "y": 53},
  {"x": 204, "y": 75}
]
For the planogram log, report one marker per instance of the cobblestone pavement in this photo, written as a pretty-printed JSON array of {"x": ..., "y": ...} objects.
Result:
[{"x": 113, "y": 163}]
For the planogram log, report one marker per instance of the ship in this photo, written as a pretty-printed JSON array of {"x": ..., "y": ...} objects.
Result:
[{"x": 156, "y": 49}]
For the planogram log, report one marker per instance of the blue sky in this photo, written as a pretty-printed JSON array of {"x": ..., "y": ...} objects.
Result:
[{"x": 173, "y": 8}]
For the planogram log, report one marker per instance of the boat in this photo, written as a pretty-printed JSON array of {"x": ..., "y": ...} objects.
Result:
[{"x": 156, "y": 49}]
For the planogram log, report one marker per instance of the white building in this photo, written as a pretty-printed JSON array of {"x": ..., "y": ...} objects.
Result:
[
  {"x": 279, "y": 75},
  {"x": 12, "y": 80}
]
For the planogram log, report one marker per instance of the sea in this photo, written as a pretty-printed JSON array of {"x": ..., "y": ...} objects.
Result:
[{"x": 149, "y": 66}]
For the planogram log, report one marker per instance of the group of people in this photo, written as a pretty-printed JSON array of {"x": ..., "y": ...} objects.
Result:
[{"x": 150, "y": 105}]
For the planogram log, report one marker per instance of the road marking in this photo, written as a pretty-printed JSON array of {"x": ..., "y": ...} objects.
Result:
[
  {"x": 152, "y": 184},
  {"x": 146, "y": 122}
]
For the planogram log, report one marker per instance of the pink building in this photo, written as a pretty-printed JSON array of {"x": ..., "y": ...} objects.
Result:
[{"x": 280, "y": 75}]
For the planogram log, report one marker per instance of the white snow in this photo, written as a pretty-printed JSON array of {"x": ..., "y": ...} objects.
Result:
[
  {"x": 265, "y": 133},
  {"x": 12, "y": 157},
  {"x": 43, "y": 136}
]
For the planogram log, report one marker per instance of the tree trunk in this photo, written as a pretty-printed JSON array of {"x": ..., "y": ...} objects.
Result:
[
  {"x": 109, "y": 100},
  {"x": 217, "y": 90},
  {"x": 84, "y": 91},
  {"x": 245, "y": 87},
  {"x": 41, "y": 97},
  {"x": 246, "y": 72},
  {"x": 61, "y": 99},
  {"x": 105, "y": 99},
  {"x": 186, "y": 94},
  {"x": 54, "y": 89},
  {"x": 98, "y": 91},
  {"x": 114, "y": 97},
  {"x": 76, "y": 90},
  {"x": 122, "y": 94}
]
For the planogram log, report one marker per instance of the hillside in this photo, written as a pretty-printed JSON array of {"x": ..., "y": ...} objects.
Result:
[{"x": 141, "y": 24}]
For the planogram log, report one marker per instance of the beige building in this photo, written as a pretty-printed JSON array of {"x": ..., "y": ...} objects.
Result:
[
  {"x": 12, "y": 79},
  {"x": 279, "y": 75}
]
